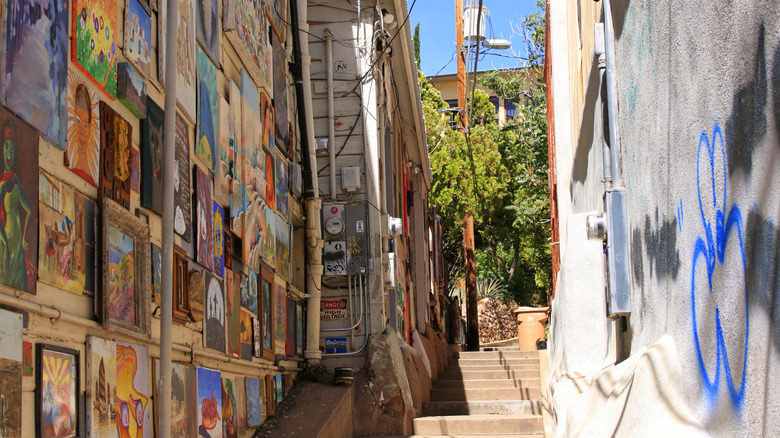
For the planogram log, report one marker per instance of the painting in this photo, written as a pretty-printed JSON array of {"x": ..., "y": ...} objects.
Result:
[
  {"x": 298, "y": 329},
  {"x": 276, "y": 11},
  {"x": 181, "y": 185},
  {"x": 257, "y": 341},
  {"x": 115, "y": 143},
  {"x": 269, "y": 253},
  {"x": 278, "y": 388},
  {"x": 282, "y": 128},
  {"x": 66, "y": 235},
  {"x": 269, "y": 126},
  {"x": 247, "y": 30},
  {"x": 209, "y": 403},
  {"x": 27, "y": 360},
  {"x": 185, "y": 54},
  {"x": 254, "y": 235},
  {"x": 249, "y": 291},
  {"x": 131, "y": 89},
  {"x": 205, "y": 220},
  {"x": 207, "y": 135},
  {"x": 151, "y": 157},
  {"x": 282, "y": 248},
  {"x": 35, "y": 65},
  {"x": 138, "y": 37},
  {"x": 266, "y": 316},
  {"x": 100, "y": 372},
  {"x": 291, "y": 335},
  {"x": 233, "y": 314},
  {"x": 254, "y": 402},
  {"x": 197, "y": 295},
  {"x": 208, "y": 27},
  {"x": 240, "y": 391},
  {"x": 214, "y": 328},
  {"x": 222, "y": 172},
  {"x": 181, "y": 286},
  {"x": 229, "y": 409},
  {"x": 57, "y": 380},
  {"x": 156, "y": 273},
  {"x": 11, "y": 371},
  {"x": 280, "y": 180},
  {"x": 95, "y": 33},
  {"x": 250, "y": 130},
  {"x": 219, "y": 239},
  {"x": 125, "y": 300},
  {"x": 19, "y": 189},
  {"x": 133, "y": 394},
  {"x": 184, "y": 400},
  {"x": 134, "y": 169},
  {"x": 280, "y": 310},
  {"x": 235, "y": 159},
  {"x": 270, "y": 180},
  {"x": 82, "y": 144},
  {"x": 268, "y": 395},
  {"x": 247, "y": 345}
]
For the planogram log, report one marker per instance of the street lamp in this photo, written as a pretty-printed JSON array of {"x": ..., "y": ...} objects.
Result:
[{"x": 496, "y": 43}]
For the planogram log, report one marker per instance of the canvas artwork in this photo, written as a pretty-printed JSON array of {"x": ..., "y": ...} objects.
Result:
[
  {"x": 95, "y": 33},
  {"x": 134, "y": 169},
  {"x": 156, "y": 272},
  {"x": 208, "y": 113},
  {"x": 181, "y": 188},
  {"x": 268, "y": 394},
  {"x": 133, "y": 394},
  {"x": 229, "y": 409},
  {"x": 247, "y": 30},
  {"x": 282, "y": 248},
  {"x": 247, "y": 346},
  {"x": 266, "y": 289},
  {"x": 254, "y": 402},
  {"x": 254, "y": 235},
  {"x": 219, "y": 237},
  {"x": 270, "y": 180},
  {"x": 280, "y": 310},
  {"x": 151, "y": 157},
  {"x": 240, "y": 390},
  {"x": 214, "y": 327},
  {"x": 100, "y": 370},
  {"x": 280, "y": 180},
  {"x": 184, "y": 400},
  {"x": 282, "y": 125},
  {"x": 186, "y": 59},
  {"x": 131, "y": 89},
  {"x": 222, "y": 172},
  {"x": 197, "y": 295},
  {"x": 121, "y": 275},
  {"x": 257, "y": 342},
  {"x": 269, "y": 125},
  {"x": 299, "y": 329},
  {"x": 278, "y": 388},
  {"x": 115, "y": 143},
  {"x": 205, "y": 220},
  {"x": 208, "y": 27},
  {"x": 35, "y": 66},
  {"x": 269, "y": 67},
  {"x": 138, "y": 37},
  {"x": 209, "y": 403},
  {"x": 251, "y": 131},
  {"x": 269, "y": 254},
  {"x": 18, "y": 192},
  {"x": 235, "y": 158},
  {"x": 291, "y": 335},
  {"x": 249, "y": 298},
  {"x": 27, "y": 359},
  {"x": 276, "y": 11},
  {"x": 82, "y": 145},
  {"x": 57, "y": 380},
  {"x": 233, "y": 314},
  {"x": 11, "y": 372}
]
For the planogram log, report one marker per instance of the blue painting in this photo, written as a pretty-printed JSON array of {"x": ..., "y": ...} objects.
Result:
[
  {"x": 138, "y": 37},
  {"x": 205, "y": 147},
  {"x": 209, "y": 403},
  {"x": 254, "y": 404},
  {"x": 35, "y": 70}
]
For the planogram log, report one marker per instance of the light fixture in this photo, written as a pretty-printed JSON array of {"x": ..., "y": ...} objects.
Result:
[
  {"x": 497, "y": 43},
  {"x": 388, "y": 19}
]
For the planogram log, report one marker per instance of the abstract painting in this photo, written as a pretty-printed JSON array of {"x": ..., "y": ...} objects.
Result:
[
  {"x": 266, "y": 290},
  {"x": 247, "y": 346},
  {"x": 138, "y": 37},
  {"x": 251, "y": 131},
  {"x": 282, "y": 136},
  {"x": 156, "y": 272},
  {"x": 219, "y": 239},
  {"x": 257, "y": 341},
  {"x": 207, "y": 127},
  {"x": 197, "y": 295},
  {"x": 11, "y": 372},
  {"x": 233, "y": 310},
  {"x": 282, "y": 248},
  {"x": 208, "y": 27},
  {"x": 19, "y": 189},
  {"x": 82, "y": 143},
  {"x": 235, "y": 158},
  {"x": 184, "y": 400},
  {"x": 151, "y": 157},
  {"x": 229, "y": 408},
  {"x": 27, "y": 359},
  {"x": 57, "y": 380},
  {"x": 209, "y": 403},
  {"x": 131, "y": 89},
  {"x": 291, "y": 335},
  {"x": 249, "y": 292},
  {"x": 35, "y": 66},
  {"x": 181, "y": 190},
  {"x": 269, "y": 254},
  {"x": 240, "y": 390},
  {"x": 246, "y": 27},
  {"x": 254, "y": 402},
  {"x": 214, "y": 327},
  {"x": 280, "y": 180},
  {"x": 185, "y": 54},
  {"x": 66, "y": 219},
  {"x": 204, "y": 220},
  {"x": 224, "y": 154},
  {"x": 133, "y": 394},
  {"x": 254, "y": 235},
  {"x": 280, "y": 310},
  {"x": 100, "y": 372},
  {"x": 115, "y": 143},
  {"x": 269, "y": 126},
  {"x": 95, "y": 34}
]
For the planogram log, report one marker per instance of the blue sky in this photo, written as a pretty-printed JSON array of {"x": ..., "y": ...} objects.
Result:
[{"x": 437, "y": 33}]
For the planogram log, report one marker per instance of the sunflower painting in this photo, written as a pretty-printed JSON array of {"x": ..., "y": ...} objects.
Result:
[{"x": 83, "y": 133}]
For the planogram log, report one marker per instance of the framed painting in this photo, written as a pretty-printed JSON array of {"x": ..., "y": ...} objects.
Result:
[
  {"x": 143, "y": 215},
  {"x": 219, "y": 239},
  {"x": 280, "y": 310},
  {"x": 280, "y": 180},
  {"x": 249, "y": 291},
  {"x": 185, "y": 54},
  {"x": 208, "y": 27},
  {"x": 125, "y": 296},
  {"x": 298, "y": 328},
  {"x": 181, "y": 283},
  {"x": 56, "y": 401},
  {"x": 100, "y": 371},
  {"x": 27, "y": 359},
  {"x": 251, "y": 131},
  {"x": 233, "y": 310},
  {"x": 13, "y": 364},
  {"x": 254, "y": 402},
  {"x": 115, "y": 143},
  {"x": 35, "y": 65},
  {"x": 82, "y": 144},
  {"x": 133, "y": 394},
  {"x": 247, "y": 30},
  {"x": 138, "y": 37},
  {"x": 240, "y": 389},
  {"x": 197, "y": 295},
  {"x": 246, "y": 335},
  {"x": 222, "y": 174},
  {"x": 267, "y": 314},
  {"x": 184, "y": 400},
  {"x": 209, "y": 402},
  {"x": 204, "y": 220},
  {"x": 291, "y": 335},
  {"x": 282, "y": 248},
  {"x": 156, "y": 273},
  {"x": 181, "y": 191},
  {"x": 270, "y": 396},
  {"x": 151, "y": 157},
  {"x": 270, "y": 180},
  {"x": 229, "y": 409},
  {"x": 254, "y": 235},
  {"x": 269, "y": 126},
  {"x": 93, "y": 49},
  {"x": 257, "y": 342},
  {"x": 276, "y": 12},
  {"x": 131, "y": 89},
  {"x": 214, "y": 327},
  {"x": 208, "y": 113},
  {"x": 235, "y": 158},
  {"x": 19, "y": 188},
  {"x": 269, "y": 252},
  {"x": 282, "y": 125}
]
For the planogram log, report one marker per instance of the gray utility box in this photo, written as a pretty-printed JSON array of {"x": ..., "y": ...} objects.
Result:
[
  {"x": 345, "y": 231},
  {"x": 619, "y": 290},
  {"x": 357, "y": 239}
]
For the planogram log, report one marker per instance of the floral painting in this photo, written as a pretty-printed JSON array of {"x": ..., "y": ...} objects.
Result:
[
  {"x": 208, "y": 113},
  {"x": 209, "y": 403},
  {"x": 82, "y": 145},
  {"x": 138, "y": 37},
  {"x": 205, "y": 220},
  {"x": 95, "y": 34}
]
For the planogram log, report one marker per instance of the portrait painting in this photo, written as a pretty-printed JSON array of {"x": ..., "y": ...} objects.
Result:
[
  {"x": 197, "y": 295},
  {"x": 266, "y": 290},
  {"x": 156, "y": 273},
  {"x": 82, "y": 145},
  {"x": 229, "y": 409},
  {"x": 184, "y": 400},
  {"x": 57, "y": 380},
  {"x": 18, "y": 209},
  {"x": 235, "y": 160},
  {"x": 282, "y": 125},
  {"x": 94, "y": 43},
  {"x": 247, "y": 345},
  {"x": 204, "y": 220},
  {"x": 246, "y": 27},
  {"x": 186, "y": 59},
  {"x": 254, "y": 402},
  {"x": 208, "y": 113},
  {"x": 282, "y": 248},
  {"x": 222, "y": 173},
  {"x": 219, "y": 237},
  {"x": 280, "y": 310},
  {"x": 280, "y": 180},
  {"x": 233, "y": 313},
  {"x": 269, "y": 253},
  {"x": 131, "y": 89},
  {"x": 214, "y": 327},
  {"x": 209, "y": 403},
  {"x": 138, "y": 37},
  {"x": 100, "y": 371},
  {"x": 181, "y": 181},
  {"x": 115, "y": 143},
  {"x": 208, "y": 27},
  {"x": 35, "y": 65},
  {"x": 11, "y": 371}
]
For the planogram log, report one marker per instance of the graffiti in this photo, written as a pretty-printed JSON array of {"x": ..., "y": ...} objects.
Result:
[{"x": 720, "y": 227}]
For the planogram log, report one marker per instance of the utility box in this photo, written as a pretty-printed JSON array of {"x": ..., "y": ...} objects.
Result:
[
  {"x": 334, "y": 258},
  {"x": 350, "y": 178},
  {"x": 619, "y": 291},
  {"x": 332, "y": 221},
  {"x": 357, "y": 238}
]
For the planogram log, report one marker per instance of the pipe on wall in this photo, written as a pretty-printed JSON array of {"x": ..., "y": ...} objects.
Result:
[
  {"x": 328, "y": 35},
  {"x": 612, "y": 102}
]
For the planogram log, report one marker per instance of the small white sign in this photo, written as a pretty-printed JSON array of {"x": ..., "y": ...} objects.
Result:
[{"x": 359, "y": 226}]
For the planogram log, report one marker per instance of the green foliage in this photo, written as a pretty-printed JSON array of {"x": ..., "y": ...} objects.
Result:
[
  {"x": 484, "y": 111},
  {"x": 416, "y": 43}
]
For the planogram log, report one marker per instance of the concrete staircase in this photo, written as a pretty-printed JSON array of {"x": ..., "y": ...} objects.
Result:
[{"x": 485, "y": 393}]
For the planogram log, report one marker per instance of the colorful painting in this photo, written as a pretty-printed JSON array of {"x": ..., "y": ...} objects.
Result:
[
  {"x": 134, "y": 168},
  {"x": 11, "y": 371},
  {"x": 132, "y": 391},
  {"x": 58, "y": 391},
  {"x": 299, "y": 329},
  {"x": 291, "y": 335},
  {"x": 214, "y": 328},
  {"x": 276, "y": 10},
  {"x": 280, "y": 180},
  {"x": 100, "y": 372},
  {"x": 151, "y": 157},
  {"x": 254, "y": 402},
  {"x": 282, "y": 248},
  {"x": 254, "y": 235},
  {"x": 138, "y": 37},
  {"x": 278, "y": 388},
  {"x": 219, "y": 239},
  {"x": 280, "y": 310},
  {"x": 209, "y": 403},
  {"x": 229, "y": 409},
  {"x": 249, "y": 291},
  {"x": 247, "y": 345},
  {"x": 82, "y": 144},
  {"x": 269, "y": 126},
  {"x": 233, "y": 314},
  {"x": 115, "y": 143},
  {"x": 222, "y": 172},
  {"x": 205, "y": 220},
  {"x": 95, "y": 33},
  {"x": 235, "y": 159},
  {"x": 184, "y": 400},
  {"x": 66, "y": 219},
  {"x": 247, "y": 30},
  {"x": 121, "y": 276},
  {"x": 27, "y": 361},
  {"x": 266, "y": 289},
  {"x": 257, "y": 341},
  {"x": 282, "y": 129},
  {"x": 240, "y": 390},
  {"x": 197, "y": 295},
  {"x": 270, "y": 180},
  {"x": 185, "y": 54},
  {"x": 18, "y": 209},
  {"x": 35, "y": 74},
  {"x": 207, "y": 135},
  {"x": 131, "y": 89},
  {"x": 208, "y": 27},
  {"x": 250, "y": 130},
  {"x": 269, "y": 254},
  {"x": 181, "y": 190},
  {"x": 156, "y": 256}
]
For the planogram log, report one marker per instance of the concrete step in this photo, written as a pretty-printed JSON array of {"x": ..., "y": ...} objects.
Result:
[
  {"x": 481, "y": 394},
  {"x": 483, "y": 407},
  {"x": 483, "y": 425},
  {"x": 492, "y": 374},
  {"x": 490, "y": 383},
  {"x": 516, "y": 354},
  {"x": 514, "y": 347},
  {"x": 494, "y": 367},
  {"x": 493, "y": 361}
]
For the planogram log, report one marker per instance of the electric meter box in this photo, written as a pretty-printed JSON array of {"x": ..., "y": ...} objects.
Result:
[
  {"x": 333, "y": 221},
  {"x": 357, "y": 238},
  {"x": 334, "y": 258}
]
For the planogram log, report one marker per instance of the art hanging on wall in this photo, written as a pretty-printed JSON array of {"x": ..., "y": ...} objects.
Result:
[
  {"x": 276, "y": 12},
  {"x": 27, "y": 359},
  {"x": 186, "y": 59},
  {"x": 197, "y": 295},
  {"x": 133, "y": 394},
  {"x": 280, "y": 180},
  {"x": 208, "y": 27},
  {"x": 224, "y": 153},
  {"x": 219, "y": 239},
  {"x": 209, "y": 403},
  {"x": 254, "y": 235},
  {"x": 134, "y": 169},
  {"x": 115, "y": 143},
  {"x": 181, "y": 286},
  {"x": 66, "y": 224},
  {"x": 240, "y": 391},
  {"x": 270, "y": 180},
  {"x": 233, "y": 314},
  {"x": 254, "y": 402},
  {"x": 181, "y": 191},
  {"x": 249, "y": 291},
  {"x": 291, "y": 335},
  {"x": 19, "y": 189},
  {"x": 278, "y": 388},
  {"x": 251, "y": 131},
  {"x": 125, "y": 293},
  {"x": 269, "y": 125},
  {"x": 35, "y": 65},
  {"x": 100, "y": 370},
  {"x": 247, "y": 30},
  {"x": 11, "y": 371},
  {"x": 95, "y": 33},
  {"x": 229, "y": 409},
  {"x": 282, "y": 248},
  {"x": 269, "y": 254},
  {"x": 131, "y": 89},
  {"x": 156, "y": 272},
  {"x": 247, "y": 345},
  {"x": 298, "y": 329},
  {"x": 257, "y": 341},
  {"x": 269, "y": 396},
  {"x": 214, "y": 327},
  {"x": 204, "y": 220},
  {"x": 207, "y": 127},
  {"x": 138, "y": 37},
  {"x": 82, "y": 143},
  {"x": 282, "y": 126},
  {"x": 235, "y": 160},
  {"x": 56, "y": 401},
  {"x": 184, "y": 400},
  {"x": 267, "y": 293},
  {"x": 151, "y": 157},
  {"x": 280, "y": 310}
]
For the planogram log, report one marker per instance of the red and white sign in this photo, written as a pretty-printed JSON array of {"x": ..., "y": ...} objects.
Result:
[{"x": 333, "y": 309}]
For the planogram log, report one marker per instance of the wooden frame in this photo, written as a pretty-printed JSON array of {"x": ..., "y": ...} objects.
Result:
[
  {"x": 270, "y": 396},
  {"x": 181, "y": 282},
  {"x": 48, "y": 391},
  {"x": 141, "y": 214},
  {"x": 117, "y": 223},
  {"x": 266, "y": 311}
]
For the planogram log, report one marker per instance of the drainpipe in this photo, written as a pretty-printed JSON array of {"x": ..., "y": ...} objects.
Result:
[{"x": 328, "y": 34}]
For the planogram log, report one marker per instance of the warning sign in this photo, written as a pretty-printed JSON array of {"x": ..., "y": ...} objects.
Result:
[{"x": 333, "y": 309}]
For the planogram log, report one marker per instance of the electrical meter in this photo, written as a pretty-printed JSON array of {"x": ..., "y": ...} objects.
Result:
[{"x": 334, "y": 226}]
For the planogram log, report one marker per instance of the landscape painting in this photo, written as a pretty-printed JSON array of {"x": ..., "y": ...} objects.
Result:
[
  {"x": 185, "y": 54},
  {"x": 219, "y": 239},
  {"x": 131, "y": 89},
  {"x": 181, "y": 191},
  {"x": 229, "y": 408},
  {"x": 205, "y": 220},
  {"x": 82, "y": 145},
  {"x": 121, "y": 275},
  {"x": 151, "y": 157},
  {"x": 57, "y": 380},
  {"x": 235, "y": 159},
  {"x": 116, "y": 136},
  {"x": 100, "y": 370},
  {"x": 95, "y": 34},
  {"x": 208, "y": 113},
  {"x": 11, "y": 373},
  {"x": 35, "y": 66},
  {"x": 269, "y": 254},
  {"x": 214, "y": 327},
  {"x": 138, "y": 37},
  {"x": 184, "y": 401},
  {"x": 208, "y": 27},
  {"x": 254, "y": 403},
  {"x": 209, "y": 403},
  {"x": 224, "y": 154},
  {"x": 246, "y": 27},
  {"x": 282, "y": 248},
  {"x": 233, "y": 314}
]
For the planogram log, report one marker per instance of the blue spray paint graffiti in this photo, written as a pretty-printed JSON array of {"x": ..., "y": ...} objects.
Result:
[{"x": 712, "y": 249}]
